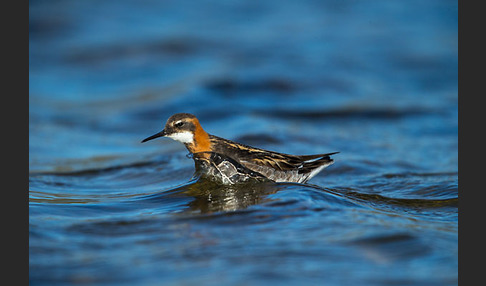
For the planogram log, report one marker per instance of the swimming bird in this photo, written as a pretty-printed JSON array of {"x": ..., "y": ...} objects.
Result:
[{"x": 231, "y": 162}]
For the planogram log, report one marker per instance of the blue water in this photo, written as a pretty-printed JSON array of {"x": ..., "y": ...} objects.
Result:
[{"x": 376, "y": 81}]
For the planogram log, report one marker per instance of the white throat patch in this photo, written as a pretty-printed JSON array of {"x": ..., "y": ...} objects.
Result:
[{"x": 184, "y": 137}]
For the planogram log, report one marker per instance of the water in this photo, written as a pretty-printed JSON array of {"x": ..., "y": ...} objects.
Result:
[{"x": 375, "y": 81}]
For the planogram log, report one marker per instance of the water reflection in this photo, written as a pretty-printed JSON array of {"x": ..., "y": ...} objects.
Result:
[{"x": 210, "y": 196}]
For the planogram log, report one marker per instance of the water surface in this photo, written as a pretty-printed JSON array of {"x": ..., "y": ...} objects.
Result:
[{"x": 375, "y": 81}]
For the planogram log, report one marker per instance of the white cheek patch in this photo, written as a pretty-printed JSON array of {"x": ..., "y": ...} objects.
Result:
[{"x": 184, "y": 137}]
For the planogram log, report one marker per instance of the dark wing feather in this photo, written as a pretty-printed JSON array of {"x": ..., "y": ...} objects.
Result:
[{"x": 279, "y": 161}]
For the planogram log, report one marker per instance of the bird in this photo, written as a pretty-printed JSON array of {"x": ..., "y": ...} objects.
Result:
[{"x": 231, "y": 162}]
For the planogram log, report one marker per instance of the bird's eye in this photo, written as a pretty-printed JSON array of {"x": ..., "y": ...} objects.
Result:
[{"x": 179, "y": 124}]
